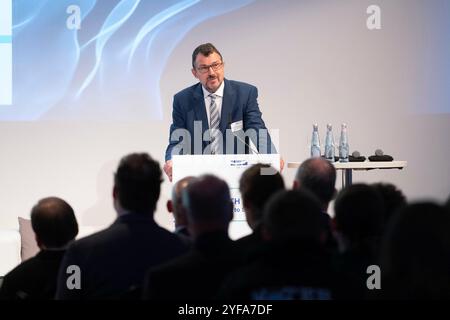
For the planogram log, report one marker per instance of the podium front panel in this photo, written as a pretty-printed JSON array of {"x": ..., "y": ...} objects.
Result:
[{"x": 228, "y": 167}]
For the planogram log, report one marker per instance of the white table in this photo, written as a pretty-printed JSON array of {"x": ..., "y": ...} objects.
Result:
[{"x": 348, "y": 167}]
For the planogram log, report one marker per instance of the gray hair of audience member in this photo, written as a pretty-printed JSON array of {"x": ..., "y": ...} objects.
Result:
[
  {"x": 207, "y": 200},
  {"x": 256, "y": 187},
  {"x": 359, "y": 212},
  {"x": 177, "y": 192},
  {"x": 416, "y": 252},
  {"x": 175, "y": 205},
  {"x": 293, "y": 214},
  {"x": 54, "y": 223},
  {"x": 318, "y": 176}
]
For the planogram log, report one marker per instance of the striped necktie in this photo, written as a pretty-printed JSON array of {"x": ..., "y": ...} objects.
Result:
[{"x": 214, "y": 124}]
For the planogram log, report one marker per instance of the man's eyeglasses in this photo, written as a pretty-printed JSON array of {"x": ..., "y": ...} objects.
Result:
[{"x": 215, "y": 66}]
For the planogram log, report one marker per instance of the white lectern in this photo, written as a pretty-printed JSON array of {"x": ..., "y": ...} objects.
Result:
[{"x": 228, "y": 167}]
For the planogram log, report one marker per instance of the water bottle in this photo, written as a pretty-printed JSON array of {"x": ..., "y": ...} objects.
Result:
[
  {"x": 315, "y": 143},
  {"x": 343, "y": 144},
  {"x": 329, "y": 144}
]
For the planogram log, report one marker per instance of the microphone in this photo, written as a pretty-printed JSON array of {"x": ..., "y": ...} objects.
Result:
[
  {"x": 357, "y": 157},
  {"x": 380, "y": 156},
  {"x": 239, "y": 138}
]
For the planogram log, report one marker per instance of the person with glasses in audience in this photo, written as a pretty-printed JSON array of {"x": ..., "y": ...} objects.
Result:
[{"x": 217, "y": 104}]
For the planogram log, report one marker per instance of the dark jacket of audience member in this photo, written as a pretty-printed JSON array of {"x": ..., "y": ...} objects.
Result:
[
  {"x": 296, "y": 265},
  {"x": 359, "y": 213},
  {"x": 113, "y": 262},
  {"x": 415, "y": 260},
  {"x": 198, "y": 274},
  {"x": 54, "y": 223}
]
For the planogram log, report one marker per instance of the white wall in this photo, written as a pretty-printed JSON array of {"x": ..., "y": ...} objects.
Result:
[{"x": 313, "y": 61}]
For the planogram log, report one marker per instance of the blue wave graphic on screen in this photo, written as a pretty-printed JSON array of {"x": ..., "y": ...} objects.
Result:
[
  {"x": 156, "y": 21},
  {"x": 120, "y": 14},
  {"x": 45, "y": 56},
  {"x": 25, "y": 11},
  {"x": 110, "y": 69}
]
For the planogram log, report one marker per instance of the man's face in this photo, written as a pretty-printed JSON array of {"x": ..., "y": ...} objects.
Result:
[{"x": 209, "y": 71}]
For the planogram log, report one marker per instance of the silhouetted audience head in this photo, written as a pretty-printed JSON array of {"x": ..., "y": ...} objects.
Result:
[
  {"x": 393, "y": 198},
  {"x": 256, "y": 185},
  {"x": 293, "y": 214},
  {"x": 175, "y": 204},
  {"x": 318, "y": 176},
  {"x": 208, "y": 205},
  {"x": 54, "y": 223},
  {"x": 137, "y": 184},
  {"x": 359, "y": 213},
  {"x": 416, "y": 253}
]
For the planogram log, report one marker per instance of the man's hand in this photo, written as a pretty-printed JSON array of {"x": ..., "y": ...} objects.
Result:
[
  {"x": 168, "y": 169},
  {"x": 281, "y": 164}
]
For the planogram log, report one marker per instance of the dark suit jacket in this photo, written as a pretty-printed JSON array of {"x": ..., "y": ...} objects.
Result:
[
  {"x": 251, "y": 246},
  {"x": 114, "y": 261},
  {"x": 183, "y": 233},
  {"x": 34, "y": 278},
  {"x": 239, "y": 104},
  {"x": 196, "y": 275},
  {"x": 297, "y": 269}
]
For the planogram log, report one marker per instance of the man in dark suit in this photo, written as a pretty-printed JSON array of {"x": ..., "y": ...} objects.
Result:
[
  {"x": 198, "y": 274},
  {"x": 216, "y": 109},
  {"x": 113, "y": 262},
  {"x": 54, "y": 224}
]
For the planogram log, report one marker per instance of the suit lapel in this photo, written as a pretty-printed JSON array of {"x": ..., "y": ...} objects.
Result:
[
  {"x": 227, "y": 106},
  {"x": 200, "y": 108}
]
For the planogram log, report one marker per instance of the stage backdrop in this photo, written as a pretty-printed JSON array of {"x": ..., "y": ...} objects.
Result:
[{"x": 83, "y": 82}]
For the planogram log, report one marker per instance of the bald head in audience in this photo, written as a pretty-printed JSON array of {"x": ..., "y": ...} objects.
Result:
[
  {"x": 55, "y": 226},
  {"x": 54, "y": 223},
  {"x": 319, "y": 177}
]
